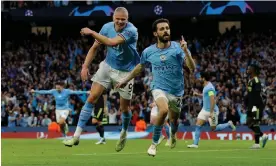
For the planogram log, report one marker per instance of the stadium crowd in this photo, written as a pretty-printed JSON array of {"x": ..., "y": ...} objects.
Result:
[{"x": 39, "y": 62}]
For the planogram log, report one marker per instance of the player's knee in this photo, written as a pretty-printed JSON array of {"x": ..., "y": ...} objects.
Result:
[
  {"x": 250, "y": 123},
  {"x": 92, "y": 98},
  {"x": 124, "y": 104},
  {"x": 152, "y": 120},
  {"x": 61, "y": 121},
  {"x": 94, "y": 121},
  {"x": 124, "y": 108},
  {"x": 163, "y": 112},
  {"x": 199, "y": 122}
]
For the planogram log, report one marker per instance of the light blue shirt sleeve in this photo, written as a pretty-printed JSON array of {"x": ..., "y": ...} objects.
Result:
[
  {"x": 42, "y": 92},
  {"x": 129, "y": 34},
  {"x": 103, "y": 31},
  {"x": 71, "y": 92},
  {"x": 143, "y": 59}
]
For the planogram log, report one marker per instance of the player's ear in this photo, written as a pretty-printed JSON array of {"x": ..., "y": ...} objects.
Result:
[{"x": 155, "y": 34}]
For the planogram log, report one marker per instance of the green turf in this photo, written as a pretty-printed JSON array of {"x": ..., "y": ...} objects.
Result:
[{"x": 17, "y": 152}]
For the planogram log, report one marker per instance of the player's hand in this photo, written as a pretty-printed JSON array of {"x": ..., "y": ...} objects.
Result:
[
  {"x": 84, "y": 73},
  {"x": 32, "y": 91},
  {"x": 183, "y": 44},
  {"x": 86, "y": 31},
  {"x": 121, "y": 84}
]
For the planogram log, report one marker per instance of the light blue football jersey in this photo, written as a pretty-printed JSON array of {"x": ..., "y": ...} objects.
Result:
[
  {"x": 123, "y": 57},
  {"x": 167, "y": 67},
  {"x": 208, "y": 90},
  {"x": 61, "y": 98}
]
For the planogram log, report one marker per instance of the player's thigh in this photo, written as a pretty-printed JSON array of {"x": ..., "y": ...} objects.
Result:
[
  {"x": 95, "y": 92},
  {"x": 101, "y": 78},
  {"x": 57, "y": 115},
  {"x": 250, "y": 121},
  {"x": 175, "y": 104},
  {"x": 62, "y": 115},
  {"x": 127, "y": 91},
  {"x": 202, "y": 117},
  {"x": 153, "y": 115},
  {"x": 161, "y": 100},
  {"x": 118, "y": 76},
  {"x": 173, "y": 115},
  {"x": 95, "y": 120}
]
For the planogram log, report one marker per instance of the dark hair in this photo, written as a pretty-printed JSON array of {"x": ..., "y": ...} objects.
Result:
[
  {"x": 256, "y": 67},
  {"x": 160, "y": 20},
  {"x": 61, "y": 83},
  {"x": 206, "y": 75}
]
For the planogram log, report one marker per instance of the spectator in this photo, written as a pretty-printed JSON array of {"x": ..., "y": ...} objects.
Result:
[
  {"x": 39, "y": 120},
  {"x": 135, "y": 118},
  {"x": 20, "y": 121},
  {"x": 32, "y": 120},
  {"x": 243, "y": 115},
  {"x": 112, "y": 116},
  {"x": 12, "y": 119},
  {"x": 46, "y": 121},
  {"x": 191, "y": 117}
]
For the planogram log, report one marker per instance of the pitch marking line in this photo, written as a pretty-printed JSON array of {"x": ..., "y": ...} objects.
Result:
[{"x": 183, "y": 151}]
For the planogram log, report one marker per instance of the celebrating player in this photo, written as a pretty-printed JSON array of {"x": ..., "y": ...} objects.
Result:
[
  {"x": 210, "y": 110},
  {"x": 166, "y": 58},
  {"x": 120, "y": 37},
  {"x": 255, "y": 105},
  {"x": 62, "y": 103}
]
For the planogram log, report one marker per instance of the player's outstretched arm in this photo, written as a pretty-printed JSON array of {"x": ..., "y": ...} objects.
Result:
[
  {"x": 137, "y": 70},
  {"x": 103, "y": 39},
  {"x": 197, "y": 94},
  {"x": 42, "y": 92},
  {"x": 88, "y": 59},
  {"x": 72, "y": 92},
  {"x": 188, "y": 58}
]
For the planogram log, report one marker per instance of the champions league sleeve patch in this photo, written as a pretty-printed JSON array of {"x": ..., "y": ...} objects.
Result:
[{"x": 127, "y": 33}]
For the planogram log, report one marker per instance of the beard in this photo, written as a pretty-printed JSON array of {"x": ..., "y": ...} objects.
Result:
[{"x": 164, "y": 39}]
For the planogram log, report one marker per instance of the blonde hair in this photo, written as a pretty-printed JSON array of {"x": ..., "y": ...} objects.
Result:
[{"x": 121, "y": 9}]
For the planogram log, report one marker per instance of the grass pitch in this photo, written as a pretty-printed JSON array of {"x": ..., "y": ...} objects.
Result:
[{"x": 50, "y": 152}]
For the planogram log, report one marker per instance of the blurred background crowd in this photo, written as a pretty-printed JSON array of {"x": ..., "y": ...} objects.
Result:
[{"x": 41, "y": 59}]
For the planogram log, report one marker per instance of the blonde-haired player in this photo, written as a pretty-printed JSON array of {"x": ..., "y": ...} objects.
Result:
[{"x": 120, "y": 37}]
